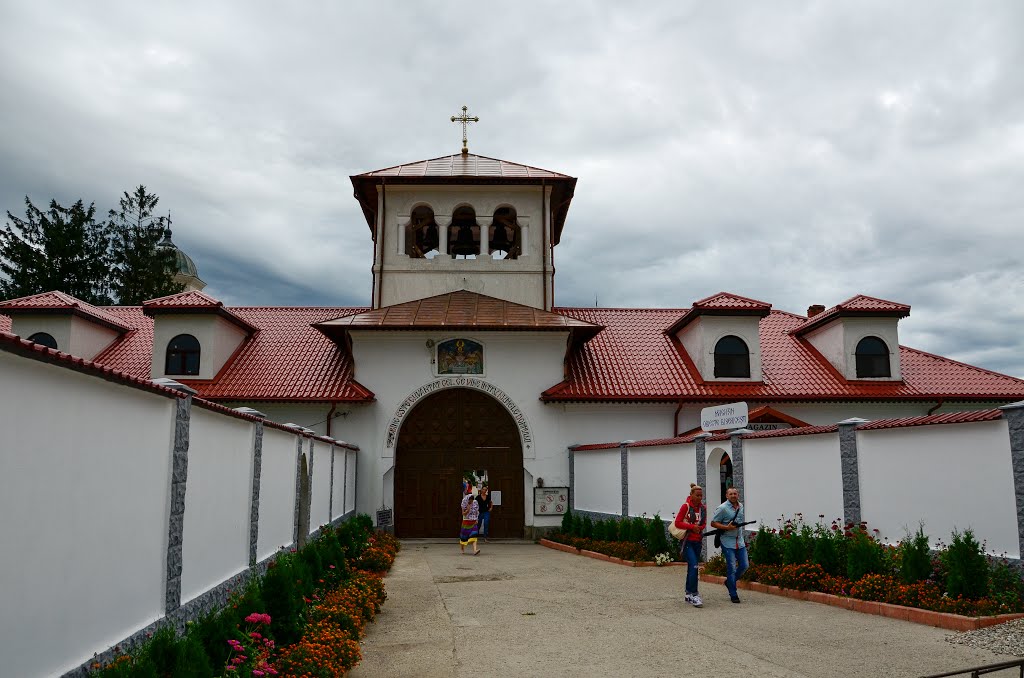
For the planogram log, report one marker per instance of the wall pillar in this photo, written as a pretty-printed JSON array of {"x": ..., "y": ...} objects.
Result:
[
  {"x": 572, "y": 477},
  {"x": 702, "y": 476},
  {"x": 298, "y": 489},
  {"x": 850, "y": 466},
  {"x": 624, "y": 474},
  {"x": 330, "y": 497},
  {"x": 254, "y": 504},
  {"x": 176, "y": 521},
  {"x": 344, "y": 488},
  {"x": 1014, "y": 414}
]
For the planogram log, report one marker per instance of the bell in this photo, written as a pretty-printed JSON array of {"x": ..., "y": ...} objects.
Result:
[
  {"x": 464, "y": 243},
  {"x": 431, "y": 240},
  {"x": 500, "y": 241}
]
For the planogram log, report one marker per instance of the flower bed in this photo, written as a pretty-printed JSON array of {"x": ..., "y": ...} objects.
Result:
[
  {"x": 304, "y": 617},
  {"x": 852, "y": 561},
  {"x": 635, "y": 540}
]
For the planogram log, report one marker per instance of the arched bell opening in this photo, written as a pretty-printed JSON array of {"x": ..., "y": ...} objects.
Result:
[
  {"x": 422, "y": 237},
  {"x": 504, "y": 239},
  {"x": 447, "y": 436},
  {"x": 464, "y": 234}
]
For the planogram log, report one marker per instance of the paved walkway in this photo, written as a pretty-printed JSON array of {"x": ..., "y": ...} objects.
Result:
[{"x": 519, "y": 609}]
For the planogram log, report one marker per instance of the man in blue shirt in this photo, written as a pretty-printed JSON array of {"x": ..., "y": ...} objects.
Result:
[{"x": 734, "y": 547}]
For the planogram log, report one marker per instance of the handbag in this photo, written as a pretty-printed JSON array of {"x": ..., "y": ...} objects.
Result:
[{"x": 677, "y": 532}]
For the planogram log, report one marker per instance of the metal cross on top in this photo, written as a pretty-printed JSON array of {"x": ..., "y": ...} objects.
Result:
[{"x": 465, "y": 119}]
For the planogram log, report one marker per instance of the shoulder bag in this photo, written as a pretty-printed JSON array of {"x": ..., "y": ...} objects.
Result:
[{"x": 718, "y": 535}]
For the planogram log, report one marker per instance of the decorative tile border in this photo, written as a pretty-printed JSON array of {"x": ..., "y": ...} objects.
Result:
[{"x": 943, "y": 620}]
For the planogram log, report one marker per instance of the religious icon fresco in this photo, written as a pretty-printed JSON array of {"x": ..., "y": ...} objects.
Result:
[{"x": 460, "y": 356}]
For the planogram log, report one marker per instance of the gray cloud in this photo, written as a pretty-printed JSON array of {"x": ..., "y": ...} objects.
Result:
[{"x": 796, "y": 152}]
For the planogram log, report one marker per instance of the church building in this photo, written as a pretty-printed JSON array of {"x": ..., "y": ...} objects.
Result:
[{"x": 461, "y": 366}]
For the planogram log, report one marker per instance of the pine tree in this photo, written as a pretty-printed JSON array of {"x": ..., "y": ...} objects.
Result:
[
  {"x": 63, "y": 248},
  {"x": 140, "y": 270}
]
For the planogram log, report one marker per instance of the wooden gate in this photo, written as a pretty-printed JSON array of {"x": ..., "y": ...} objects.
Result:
[{"x": 450, "y": 432}]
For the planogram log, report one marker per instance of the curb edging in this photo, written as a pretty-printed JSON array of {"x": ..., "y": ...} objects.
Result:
[{"x": 942, "y": 620}]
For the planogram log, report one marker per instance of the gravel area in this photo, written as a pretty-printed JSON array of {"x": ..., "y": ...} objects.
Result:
[{"x": 1007, "y": 638}]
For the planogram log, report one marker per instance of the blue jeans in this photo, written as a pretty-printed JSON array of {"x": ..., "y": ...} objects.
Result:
[
  {"x": 485, "y": 524},
  {"x": 691, "y": 551},
  {"x": 736, "y": 564}
]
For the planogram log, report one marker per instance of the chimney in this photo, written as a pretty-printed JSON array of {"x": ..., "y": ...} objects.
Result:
[{"x": 814, "y": 309}]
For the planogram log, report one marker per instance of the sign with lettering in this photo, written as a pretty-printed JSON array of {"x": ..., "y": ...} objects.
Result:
[
  {"x": 383, "y": 517},
  {"x": 718, "y": 417},
  {"x": 460, "y": 382},
  {"x": 550, "y": 501},
  {"x": 767, "y": 426}
]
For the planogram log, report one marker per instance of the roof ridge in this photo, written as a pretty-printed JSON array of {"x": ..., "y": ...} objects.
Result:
[{"x": 460, "y": 155}]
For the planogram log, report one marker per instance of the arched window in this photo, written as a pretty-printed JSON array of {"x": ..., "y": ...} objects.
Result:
[
  {"x": 183, "y": 355},
  {"x": 44, "y": 339},
  {"x": 732, "y": 359},
  {"x": 421, "y": 234},
  {"x": 872, "y": 358},
  {"x": 504, "y": 235},
  {"x": 464, "y": 234}
]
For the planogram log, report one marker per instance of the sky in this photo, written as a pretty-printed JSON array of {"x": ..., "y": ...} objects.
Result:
[{"x": 794, "y": 152}]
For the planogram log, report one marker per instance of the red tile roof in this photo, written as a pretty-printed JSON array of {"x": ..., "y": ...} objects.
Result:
[
  {"x": 633, "y": 359},
  {"x": 58, "y": 302},
  {"x": 194, "y": 302},
  {"x": 286, "y": 360},
  {"x": 859, "y": 305},
  {"x": 466, "y": 169},
  {"x": 947, "y": 418},
  {"x": 462, "y": 310},
  {"x": 722, "y": 303}
]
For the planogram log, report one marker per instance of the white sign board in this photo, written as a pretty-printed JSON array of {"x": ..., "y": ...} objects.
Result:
[
  {"x": 496, "y": 497},
  {"x": 718, "y": 417}
]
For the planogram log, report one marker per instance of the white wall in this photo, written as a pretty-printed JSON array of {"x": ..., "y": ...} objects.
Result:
[
  {"x": 792, "y": 474},
  {"x": 57, "y": 326},
  {"x": 218, "y": 340},
  {"x": 338, "y": 498},
  {"x": 949, "y": 476},
  {"x": 659, "y": 478},
  {"x": 84, "y": 476},
  {"x": 277, "y": 492},
  {"x": 217, "y": 501},
  {"x": 88, "y": 339},
  {"x": 598, "y": 481},
  {"x": 320, "y": 488},
  {"x": 350, "y": 481},
  {"x": 700, "y": 337}
]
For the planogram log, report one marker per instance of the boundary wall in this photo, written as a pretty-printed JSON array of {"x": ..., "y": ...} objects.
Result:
[
  {"x": 130, "y": 505},
  {"x": 948, "y": 472}
]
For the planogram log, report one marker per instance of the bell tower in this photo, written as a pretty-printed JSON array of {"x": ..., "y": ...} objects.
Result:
[{"x": 464, "y": 222}]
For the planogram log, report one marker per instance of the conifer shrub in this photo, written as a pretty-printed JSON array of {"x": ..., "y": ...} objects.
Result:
[
  {"x": 567, "y": 522},
  {"x": 863, "y": 554},
  {"x": 827, "y": 550},
  {"x": 765, "y": 547},
  {"x": 163, "y": 648},
  {"x": 915, "y": 561},
  {"x": 637, "y": 530},
  {"x": 612, "y": 530},
  {"x": 657, "y": 541},
  {"x": 587, "y": 529},
  {"x": 281, "y": 595},
  {"x": 966, "y": 566},
  {"x": 797, "y": 544},
  {"x": 577, "y": 525},
  {"x": 600, "y": 531}
]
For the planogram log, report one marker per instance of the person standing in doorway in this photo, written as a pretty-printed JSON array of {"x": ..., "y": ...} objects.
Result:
[
  {"x": 484, "y": 500},
  {"x": 727, "y": 518},
  {"x": 470, "y": 514},
  {"x": 692, "y": 517}
]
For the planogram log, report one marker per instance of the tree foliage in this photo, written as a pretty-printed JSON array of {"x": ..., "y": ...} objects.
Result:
[
  {"x": 67, "y": 249},
  {"x": 139, "y": 269},
  {"x": 63, "y": 248}
]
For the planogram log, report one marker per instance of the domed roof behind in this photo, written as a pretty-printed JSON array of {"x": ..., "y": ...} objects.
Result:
[{"x": 183, "y": 263}]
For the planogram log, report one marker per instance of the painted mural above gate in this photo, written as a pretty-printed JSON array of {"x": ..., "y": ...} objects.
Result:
[{"x": 460, "y": 356}]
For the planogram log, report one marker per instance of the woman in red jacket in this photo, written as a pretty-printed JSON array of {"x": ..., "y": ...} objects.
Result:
[{"x": 692, "y": 517}]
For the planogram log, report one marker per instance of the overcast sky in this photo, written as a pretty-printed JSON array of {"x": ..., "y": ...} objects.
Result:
[{"x": 795, "y": 152}]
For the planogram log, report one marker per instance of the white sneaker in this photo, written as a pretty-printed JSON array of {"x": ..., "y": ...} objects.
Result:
[
  {"x": 689, "y": 598},
  {"x": 696, "y": 601}
]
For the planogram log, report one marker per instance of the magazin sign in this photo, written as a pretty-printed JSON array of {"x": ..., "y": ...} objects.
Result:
[{"x": 718, "y": 417}]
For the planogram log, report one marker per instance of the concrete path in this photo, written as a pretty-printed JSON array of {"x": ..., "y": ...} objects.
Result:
[{"x": 519, "y": 609}]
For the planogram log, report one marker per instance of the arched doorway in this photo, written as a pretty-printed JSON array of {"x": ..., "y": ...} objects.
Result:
[
  {"x": 719, "y": 477},
  {"x": 447, "y": 434}
]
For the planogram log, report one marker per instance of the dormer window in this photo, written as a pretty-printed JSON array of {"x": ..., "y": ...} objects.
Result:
[
  {"x": 504, "y": 238},
  {"x": 732, "y": 358},
  {"x": 464, "y": 234},
  {"x": 44, "y": 339},
  {"x": 422, "y": 237},
  {"x": 872, "y": 358},
  {"x": 183, "y": 353}
]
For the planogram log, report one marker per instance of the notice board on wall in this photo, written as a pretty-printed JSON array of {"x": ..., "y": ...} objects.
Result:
[{"x": 550, "y": 501}]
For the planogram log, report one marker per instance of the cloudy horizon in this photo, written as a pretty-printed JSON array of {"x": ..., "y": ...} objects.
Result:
[{"x": 797, "y": 152}]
